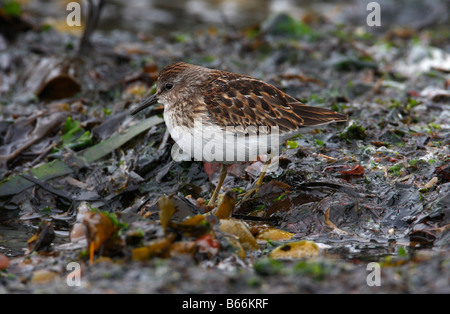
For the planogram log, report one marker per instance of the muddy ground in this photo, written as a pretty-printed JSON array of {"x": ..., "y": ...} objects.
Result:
[{"x": 376, "y": 189}]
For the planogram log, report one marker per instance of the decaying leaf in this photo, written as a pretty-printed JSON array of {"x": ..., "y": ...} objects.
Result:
[
  {"x": 182, "y": 248},
  {"x": 208, "y": 245},
  {"x": 166, "y": 210},
  {"x": 431, "y": 183},
  {"x": 61, "y": 25},
  {"x": 158, "y": 247},
  {"x": 136, "y": 89},
  {"x": 239, "y": 229},
  {"x": 195, "y": 226},
  {"x": 329, "y": 223},
  {"x": 274, "y": 234},
  {"x": 4, "y": 262},
  {"x": 25, "y": 137},
  {"x": 301, "y": 78},
  {"x": 43, "y": 238},
  {"x": 299, "y": 249},
  {"x": 78, "y": 231},
  {"x": 52, "y": 77},
  {"x": 234, "y": 241},
  {"x": 226, "y": 207},
  {"x": 356, "y": 171},
  {"x": 99, "y": 228}
]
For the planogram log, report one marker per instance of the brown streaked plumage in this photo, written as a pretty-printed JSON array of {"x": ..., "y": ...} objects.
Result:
[{"x": 222, "y": 99}]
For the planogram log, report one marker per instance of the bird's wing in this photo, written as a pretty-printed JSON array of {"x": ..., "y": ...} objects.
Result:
[{"x": 237, "y": 100}]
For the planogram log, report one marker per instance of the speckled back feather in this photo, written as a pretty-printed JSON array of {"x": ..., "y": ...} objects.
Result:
[{"x": 234, "y": 99}]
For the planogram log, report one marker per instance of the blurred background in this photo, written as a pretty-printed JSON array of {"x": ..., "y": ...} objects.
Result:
[{"x": 161, "y": 16}]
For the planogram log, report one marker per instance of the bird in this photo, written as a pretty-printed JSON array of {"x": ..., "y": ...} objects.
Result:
[{"x": 215, "y": 115}]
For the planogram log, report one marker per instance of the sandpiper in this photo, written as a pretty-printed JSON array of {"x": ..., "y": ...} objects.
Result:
[{"x": 226, "y": 117}]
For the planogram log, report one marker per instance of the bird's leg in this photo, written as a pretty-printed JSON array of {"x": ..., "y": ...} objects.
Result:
[
  {"x": 258, "y": 183},
  {"x": 222, "y": 176}
]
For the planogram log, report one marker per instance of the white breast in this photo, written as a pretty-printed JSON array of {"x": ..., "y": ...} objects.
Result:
[{"x": 206, "y": 142}]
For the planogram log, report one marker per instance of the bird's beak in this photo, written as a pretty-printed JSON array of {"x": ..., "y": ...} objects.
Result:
[{"x": 145, "y": 103}]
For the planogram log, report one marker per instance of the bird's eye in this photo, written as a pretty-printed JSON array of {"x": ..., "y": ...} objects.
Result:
[{"x": 168, "y": 86}]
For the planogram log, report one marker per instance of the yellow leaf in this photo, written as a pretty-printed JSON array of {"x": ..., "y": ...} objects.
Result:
[
  {"x": 234, "y": 241},
  {"x": 239, "y": 229},
  {"x": 166, "y": 210},
  {"x": 226, "y": 206},
  {"x": 99, "y": 228},
  {"x": 192, "y": 221},
  {"x": 156, "y": 247},
  {"x": 43, "y": 238},
  {"x": 273, "y": 234},
  {"x": 136, "y": 89},
  {"x": 43, "y": 276},
  {"x": 183, "y": 248},
  {"x": 195, "y": 226},
  {"x": 299, "y": 249},
  {"x": 61, "y": 26}
]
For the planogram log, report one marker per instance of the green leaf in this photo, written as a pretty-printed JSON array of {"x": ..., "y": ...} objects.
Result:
[
  {"x": 395, "y": 170},
  {"x": 107, "y": 111},
  {"x": 279, "y": 197},
  {"x": 435, "y": 126},
  {"x": 413, "y": 162},
  {"x": 353, "y": 132},
  {"x": 12, "y": 8},
  {"x": 402, "y": 251},
  {"x": 268, "y": 266},
  {"x": 285, "y": 25},
  {"x": 319, "y": 143},
  {"x": 238, "y": 190},
  {"x": 74, "y": 137},
  {"x": 291, "y": 144}
]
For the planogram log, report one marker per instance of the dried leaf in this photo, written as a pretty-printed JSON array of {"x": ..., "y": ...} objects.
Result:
[
  {"x": 356, "y": 171},
  {"x": 431, "y": 183},
  {"x": 300, "y": 249},
  {"x": 302, "y": 78},
  {"x": 239, "y": 228}
]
